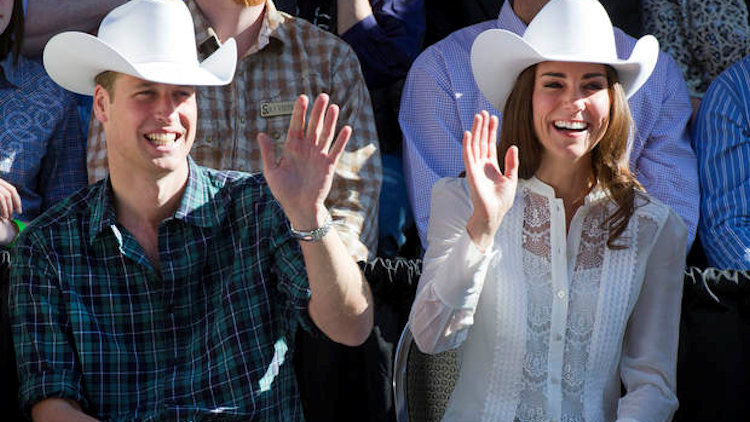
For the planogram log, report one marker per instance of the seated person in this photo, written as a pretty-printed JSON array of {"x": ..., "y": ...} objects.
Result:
[
  {"x": 169, "y": 291},
  {"x": 721, "y": 138},
  {"x": 42, "y": 154},
  {"x": 279, "y": 57},
  {"x": 556, "y": 274},
  {"x": 441, "y": 97}
]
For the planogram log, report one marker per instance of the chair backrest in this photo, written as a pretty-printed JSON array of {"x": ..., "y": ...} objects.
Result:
[{"x": 422, "y": 383}]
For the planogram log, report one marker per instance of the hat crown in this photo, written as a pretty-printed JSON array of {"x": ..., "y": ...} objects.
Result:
[
  {"x": 146, "y": 31},
  {"x": 579, "y": 30}
]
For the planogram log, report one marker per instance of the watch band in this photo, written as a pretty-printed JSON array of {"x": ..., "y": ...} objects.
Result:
[{"x": 312, "y": 235}]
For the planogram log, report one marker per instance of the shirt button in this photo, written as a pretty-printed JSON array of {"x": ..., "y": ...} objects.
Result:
[
  {"x": 242, "y": 120},
  {"x": 209, "y": 140},
  {"x": 561, "y": 294},
  {"x": 276, "y": 135},
  {"x": 558, "y": 337}
]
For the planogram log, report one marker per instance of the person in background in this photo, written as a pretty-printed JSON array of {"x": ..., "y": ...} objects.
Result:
[
  {"x": 441, "y": 97},
  {"x": 42, "y": 161},
  {"x": 703, "y": 36},
  {"x": 447, "y": 16},
  {"x": 42, "y": 157},
  {"x": 279, "y": 57},
  {"x": 386, "y": 36},
  {"x": 558, "y": 277},
  {"x": 721, "y": 138},
  {"x": 170, "y": 291}
]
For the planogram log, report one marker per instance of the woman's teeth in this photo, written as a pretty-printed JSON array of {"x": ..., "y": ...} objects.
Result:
[
  {"x": 161, "y": 139},
  {"x": 570, "y": 125}
]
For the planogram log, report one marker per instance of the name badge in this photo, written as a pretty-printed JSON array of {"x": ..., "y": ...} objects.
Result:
[{"x": 283, "y": 108}]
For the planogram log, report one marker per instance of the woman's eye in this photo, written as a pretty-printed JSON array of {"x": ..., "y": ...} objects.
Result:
[{"x": 552, "y": 85}]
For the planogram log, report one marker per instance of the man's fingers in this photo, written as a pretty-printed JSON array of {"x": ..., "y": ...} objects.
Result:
[
  {"x": 329, "y": 126},
  {"x": 338, "y": 147},
  {"x": 267, "y": 151},
  {"x": 297, "y": 123},
  {"x": 317, "y": 115}
]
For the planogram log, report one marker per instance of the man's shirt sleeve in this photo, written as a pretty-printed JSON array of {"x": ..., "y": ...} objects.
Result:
[
  {"x": 46, "y": 359},
  {"x": 353, "y": 201},
  {"x": 667, "y": 165},
  {"x": 721, "y": 136}
]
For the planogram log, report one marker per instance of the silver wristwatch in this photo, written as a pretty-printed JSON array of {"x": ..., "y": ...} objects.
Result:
[{"x": 312, "y": 235}]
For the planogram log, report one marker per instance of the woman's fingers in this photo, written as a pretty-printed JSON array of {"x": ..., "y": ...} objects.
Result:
[
  {"x": 492, "y": 142},
  {"x": 484, "y": 134},
  {"x": 512, "y": 163}
]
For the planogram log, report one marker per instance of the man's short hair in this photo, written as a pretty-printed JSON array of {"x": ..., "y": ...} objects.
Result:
[{"x": 107, "y": 80}]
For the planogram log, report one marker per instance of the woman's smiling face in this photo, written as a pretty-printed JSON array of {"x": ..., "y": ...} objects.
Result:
[{"x": 571, "y": 105}]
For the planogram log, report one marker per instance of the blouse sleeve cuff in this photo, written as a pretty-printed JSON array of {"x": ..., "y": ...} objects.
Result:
[{"x": 465, "y": 272}]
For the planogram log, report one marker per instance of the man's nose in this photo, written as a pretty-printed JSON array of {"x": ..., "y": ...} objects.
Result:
[{"x": 166, "y": 107}]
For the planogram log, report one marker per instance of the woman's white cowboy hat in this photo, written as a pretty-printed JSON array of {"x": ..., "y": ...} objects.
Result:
[
  {"x": 564, "y": 31},
  {"x": 149, "y": 39}
]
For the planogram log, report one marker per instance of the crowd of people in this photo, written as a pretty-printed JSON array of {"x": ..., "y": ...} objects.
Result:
[{"x": 199, "y": 198}]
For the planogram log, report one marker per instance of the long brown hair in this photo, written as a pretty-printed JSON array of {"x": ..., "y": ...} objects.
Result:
[
  {"x": 12, "y": 38},
  {"x": 609, "y": 157}
]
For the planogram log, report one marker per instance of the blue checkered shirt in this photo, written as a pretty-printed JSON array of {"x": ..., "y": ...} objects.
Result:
[
  {"x": 441, "y": 97},
  {"x": 209, "y": 337},
  {"x": 42, "y": 149}
]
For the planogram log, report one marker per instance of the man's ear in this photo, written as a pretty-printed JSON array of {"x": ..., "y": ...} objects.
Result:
[{"x": 101, "y": 104}]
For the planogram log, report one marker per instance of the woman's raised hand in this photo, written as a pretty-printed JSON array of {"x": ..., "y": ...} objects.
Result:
[{"x": 492, "y": 192}]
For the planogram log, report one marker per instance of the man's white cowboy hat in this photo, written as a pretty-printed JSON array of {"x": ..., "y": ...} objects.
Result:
[
  {"x": 564, "y": 31},
  {"x": 149, "y": 39}
]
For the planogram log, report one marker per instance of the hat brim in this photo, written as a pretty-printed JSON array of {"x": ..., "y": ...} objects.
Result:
[
  {"x": 499, "y": 56},
  {"x": 73, "y": 59}
]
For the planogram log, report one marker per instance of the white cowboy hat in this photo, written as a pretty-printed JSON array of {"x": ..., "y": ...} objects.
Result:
[
  {"x": 148, "y": 39},
  {"x": 564, "y": 31}
]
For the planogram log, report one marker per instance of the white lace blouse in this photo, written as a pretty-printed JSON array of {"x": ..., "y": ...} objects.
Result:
[{"x": 548, "y": 325}]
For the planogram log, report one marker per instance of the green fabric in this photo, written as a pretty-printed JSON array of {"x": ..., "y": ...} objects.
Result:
[{"x": 208, "y": 336}]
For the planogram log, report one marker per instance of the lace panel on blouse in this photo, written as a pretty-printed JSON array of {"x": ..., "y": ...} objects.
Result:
[{"x": 583, "y": 289}]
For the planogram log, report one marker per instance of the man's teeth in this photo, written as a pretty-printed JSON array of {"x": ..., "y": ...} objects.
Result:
[
  {"x": 161, "y": 138},
  {"x": 570, "y": 125}
]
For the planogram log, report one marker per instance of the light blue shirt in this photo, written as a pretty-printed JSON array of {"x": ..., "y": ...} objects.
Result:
[
  {"x": 441, "y": 97},
  {"x": 721, "y": 138}
]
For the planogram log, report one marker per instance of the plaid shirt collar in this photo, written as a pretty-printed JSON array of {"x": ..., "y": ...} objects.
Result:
[
  {"x": 199, "y": 205},
  {"x": 271, "y": 30}
]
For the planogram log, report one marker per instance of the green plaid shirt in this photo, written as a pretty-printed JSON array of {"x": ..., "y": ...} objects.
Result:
[{"x": 210, "y": 337}]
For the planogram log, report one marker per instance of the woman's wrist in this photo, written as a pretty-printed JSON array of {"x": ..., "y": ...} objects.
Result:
[{"x": 480, "y": 232}]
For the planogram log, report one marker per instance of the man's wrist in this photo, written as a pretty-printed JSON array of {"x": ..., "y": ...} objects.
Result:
[{"x": 315, "y": 234}]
